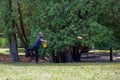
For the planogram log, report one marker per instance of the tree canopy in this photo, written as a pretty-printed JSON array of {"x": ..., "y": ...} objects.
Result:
[{"x": 61, "y": 21}]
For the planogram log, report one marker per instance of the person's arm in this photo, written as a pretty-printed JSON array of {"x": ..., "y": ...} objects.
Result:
[{"x": 43, "y": 40}]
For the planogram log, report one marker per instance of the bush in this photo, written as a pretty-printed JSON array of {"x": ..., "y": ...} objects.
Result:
[{"x": 3, "y": 42}]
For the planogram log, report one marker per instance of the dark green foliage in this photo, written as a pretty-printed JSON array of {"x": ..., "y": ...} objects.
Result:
[
  {"x": 61, "y": 21},
  {"x": 3, "y": 42}
]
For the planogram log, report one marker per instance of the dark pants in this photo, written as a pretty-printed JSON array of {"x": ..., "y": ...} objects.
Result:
[{"x": 34, "y": 48}]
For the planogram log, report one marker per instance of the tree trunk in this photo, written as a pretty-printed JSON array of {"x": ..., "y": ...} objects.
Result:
[
  {"x": 13, "y": 47},
  {"x": 12, "y": 37},
  {"x": 21, "y": 31},
  {"x": 69, "y": 56},
  {"x": 22, "y": 25},
  {"x": 76, "y": 52},
  {"x": 111, "y": 55}
]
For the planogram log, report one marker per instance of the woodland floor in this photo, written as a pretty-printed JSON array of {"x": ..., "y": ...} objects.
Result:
[
  {"x": 84, "y": 58},
  {"x": 6, "y": 58}
]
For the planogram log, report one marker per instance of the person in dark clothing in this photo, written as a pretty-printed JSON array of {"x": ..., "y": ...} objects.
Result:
[{"x": 36, "y": 46}]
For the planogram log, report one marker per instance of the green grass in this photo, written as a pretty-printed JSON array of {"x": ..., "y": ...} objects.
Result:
[
  {"x": 62, "y": 71},
  {"x": 7, "y": 51},
  {"x": 105, "y": 51},
  {"x": 4, "y": 50},
  {"x": 3, "y": 42}
]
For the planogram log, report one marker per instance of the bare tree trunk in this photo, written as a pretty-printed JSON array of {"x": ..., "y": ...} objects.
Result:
[
  {"x": 22, "y": 24},
  {"x": 69, "y": 55},
  {"x": 21, "y": 31},
  {"x": 13, "y": 48},
  {"x": 12, "y": 37},
  {"x": 20, "y": 35}
]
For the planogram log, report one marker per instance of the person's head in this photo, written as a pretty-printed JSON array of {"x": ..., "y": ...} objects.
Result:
[{"x": 40, "y": 34}]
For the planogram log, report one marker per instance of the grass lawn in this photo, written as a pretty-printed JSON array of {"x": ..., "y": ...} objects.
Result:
[
  {"x": 7, "y": 51},
  {"x": 61, "y": 71},
  {"x": 4, "y": 50}
]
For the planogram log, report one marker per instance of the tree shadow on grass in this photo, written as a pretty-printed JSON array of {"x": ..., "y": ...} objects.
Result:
[
  {"x": 60, "y": 64},
  {"x": 5, "y": 60}
]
